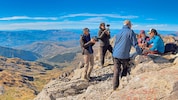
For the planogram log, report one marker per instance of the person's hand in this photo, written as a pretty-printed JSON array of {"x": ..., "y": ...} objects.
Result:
[
  {"x": 146, "y": 48},
  {"x": 93, "y": 40},
  {"x": 144, "y": 45},
  {"x": 107, "y": 32}
]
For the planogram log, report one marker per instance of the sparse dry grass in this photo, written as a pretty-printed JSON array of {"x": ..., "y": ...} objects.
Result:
[
  {"x": 16, "y": 88},
  {"x": 19, "y": 91}
]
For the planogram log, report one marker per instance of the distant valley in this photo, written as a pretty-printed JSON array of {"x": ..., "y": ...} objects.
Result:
[{"x": 33, "y": 45}]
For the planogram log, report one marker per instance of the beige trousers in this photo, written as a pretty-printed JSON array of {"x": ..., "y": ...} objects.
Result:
[{"x": 88, "y": 60}]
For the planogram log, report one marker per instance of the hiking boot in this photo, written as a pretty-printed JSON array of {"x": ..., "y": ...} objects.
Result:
[
  {"x": 115, "y": 88},
  {"x": 84, "y": 79},
  {"x": 88, "y": 78},
  {"x": 102, "y": 66}
]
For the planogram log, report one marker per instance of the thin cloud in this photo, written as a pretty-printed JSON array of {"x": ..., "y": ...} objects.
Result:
[
  {"x": 27, "y": 18},
  {"x": 157, "y": 25},
  {"x": 79, "y": 25},
  {"x": 150, "y": 19},
  {"x": 100, "y": 15},
  {"x": 95, "y": 20}
]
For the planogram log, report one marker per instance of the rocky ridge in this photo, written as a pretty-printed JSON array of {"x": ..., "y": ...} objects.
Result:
[
  {"x": 150, "y": 79},
  {"x": 153, "y": 77}
]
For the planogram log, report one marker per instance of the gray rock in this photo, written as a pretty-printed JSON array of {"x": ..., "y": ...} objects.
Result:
[
  {"x": 2, "y": 90},
  {"x": 81, "y": 65},
  {"x": 141, "y": 59},
  {"x": 176, "y": 61}
]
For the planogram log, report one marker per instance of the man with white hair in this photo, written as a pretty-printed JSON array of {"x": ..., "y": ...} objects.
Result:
[{"x": 124, "y": 40}]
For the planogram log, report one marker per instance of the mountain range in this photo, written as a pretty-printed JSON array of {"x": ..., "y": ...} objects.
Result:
[
  {"x": 14, "y": 39},
  {"x": 31, "y": 45},
  {"x": 34, "y": 44}
]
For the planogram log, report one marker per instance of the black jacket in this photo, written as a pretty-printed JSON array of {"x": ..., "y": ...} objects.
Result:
[{"x": 104, "y": 38}]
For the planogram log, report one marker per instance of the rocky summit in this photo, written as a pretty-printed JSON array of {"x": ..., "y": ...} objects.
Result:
[{"x": 153, "y": 77}]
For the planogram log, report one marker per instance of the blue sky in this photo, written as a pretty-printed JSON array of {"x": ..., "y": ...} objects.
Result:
[{"x": 77, "y": 14}]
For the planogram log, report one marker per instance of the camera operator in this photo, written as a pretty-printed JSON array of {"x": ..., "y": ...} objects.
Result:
[{"x": 104, "y": 36}]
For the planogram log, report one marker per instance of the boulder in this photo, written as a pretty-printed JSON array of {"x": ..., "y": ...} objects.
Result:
[
  {"x": 150, "y": 85},
  {"x": 2, "y": 90},
  {"x": 76, "y": 74},
  {"x": 169, "y": 39},
  {"x": 141, "y": 59},
  {"x": 81, "y": 65},
  {"x": 176, "y": 61}
]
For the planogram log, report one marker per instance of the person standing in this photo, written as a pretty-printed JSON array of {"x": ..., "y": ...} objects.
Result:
[
  {"x": 86, "y": 45},
  {"x": 104, "y": 36},
  {"x": 124, "y": 40}
]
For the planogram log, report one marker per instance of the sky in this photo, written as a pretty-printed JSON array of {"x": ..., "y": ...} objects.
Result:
[{"x": 77, "y": 14}]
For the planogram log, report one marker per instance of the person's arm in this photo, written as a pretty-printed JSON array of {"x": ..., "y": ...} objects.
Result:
[
  {"x": 135, "y": 43},
  {"x": 155, "y": 44},
  {"x": 101, "y": 34},
  {"x": 85, "y": 45},
  {"x": 150, "y": 42}
]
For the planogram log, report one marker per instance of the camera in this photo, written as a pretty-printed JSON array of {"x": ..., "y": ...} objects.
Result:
[
  {"x": 108, "y": 25},
  {"x": 95, "y": 38}
]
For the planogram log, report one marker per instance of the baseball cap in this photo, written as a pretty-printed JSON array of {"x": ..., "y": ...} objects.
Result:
[{"x": 151, "y": 30}]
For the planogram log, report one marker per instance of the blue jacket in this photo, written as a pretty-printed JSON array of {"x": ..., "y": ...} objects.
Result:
[
  {"x": 158, "y": 44},
  {"x": 124, "y": 40}
]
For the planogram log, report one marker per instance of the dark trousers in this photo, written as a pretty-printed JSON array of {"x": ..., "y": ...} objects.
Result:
[
  {"x": 103, "y": 50},
  {"x": 117, "y": 70}
]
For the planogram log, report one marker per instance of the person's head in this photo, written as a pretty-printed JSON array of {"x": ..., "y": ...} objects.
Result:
[
  {"x": 102, "y": 26},
  {"x": 152, "y": 32},
  {"x": 128, "y": 23},
  {"x": 86, "y": 31},
  {"x": 142, "y": 33}
]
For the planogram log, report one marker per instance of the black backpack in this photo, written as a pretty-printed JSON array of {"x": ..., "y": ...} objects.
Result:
[{"x": 171, "y": 48}]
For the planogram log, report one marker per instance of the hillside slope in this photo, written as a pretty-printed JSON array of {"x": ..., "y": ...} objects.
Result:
[
  {"x": 22, "y": 80},
  {"x": 50, "y": 49},
  {"x": 25, "y": 55}
]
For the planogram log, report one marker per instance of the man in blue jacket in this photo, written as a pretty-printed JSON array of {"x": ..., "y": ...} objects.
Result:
[{"x": 124, "y": 40}]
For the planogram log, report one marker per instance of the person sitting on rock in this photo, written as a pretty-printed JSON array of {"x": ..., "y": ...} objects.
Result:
[
  {"x": 124, "y": 40},
  {"x": 142, "y": 38},
  {"x": 86, "y": 44},
  {"x": 155, "y": 45}
]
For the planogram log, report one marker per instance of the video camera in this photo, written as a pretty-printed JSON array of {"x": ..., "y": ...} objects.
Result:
[{"x": 108, "y": 25}]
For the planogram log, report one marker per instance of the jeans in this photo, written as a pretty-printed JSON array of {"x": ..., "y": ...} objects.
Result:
[
  {"x": 118, "y": 72},
  {"x": 103, "y": 50}
]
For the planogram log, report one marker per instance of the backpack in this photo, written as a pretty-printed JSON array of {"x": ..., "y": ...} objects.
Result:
[{"x": 171, "y": 47}]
